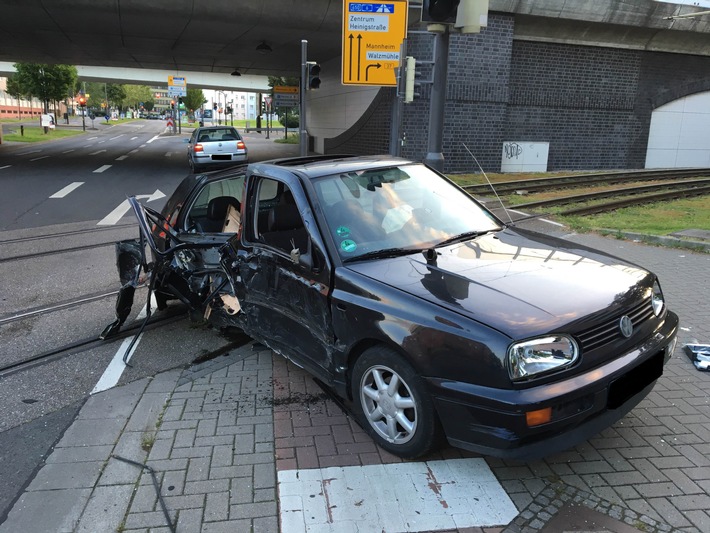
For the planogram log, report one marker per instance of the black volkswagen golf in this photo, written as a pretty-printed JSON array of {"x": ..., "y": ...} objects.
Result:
[{"x": 411, "y": 300}]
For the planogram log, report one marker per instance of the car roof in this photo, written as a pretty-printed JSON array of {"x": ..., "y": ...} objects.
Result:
[{"x": 317, "y": 166}]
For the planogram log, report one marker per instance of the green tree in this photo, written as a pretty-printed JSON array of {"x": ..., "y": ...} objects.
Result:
[
  {"x": 137, "y": 95},
  {"x": 194, "y": 99},
  {"x": 47, "y": 82},
  {"x": 14, "y": 89},
  {"x": 116, "y": 95}
]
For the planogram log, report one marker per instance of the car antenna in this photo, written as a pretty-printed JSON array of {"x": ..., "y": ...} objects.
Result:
[{"x": 490, "y": 184}]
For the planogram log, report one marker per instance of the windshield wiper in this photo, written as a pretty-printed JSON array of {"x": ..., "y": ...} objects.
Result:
[
  {"x": 383, "y": 254},
  {"x": 463, "y": 237}
]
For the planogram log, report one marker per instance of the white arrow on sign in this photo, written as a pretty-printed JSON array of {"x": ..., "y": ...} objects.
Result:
[{"x": 123, "y": 208}]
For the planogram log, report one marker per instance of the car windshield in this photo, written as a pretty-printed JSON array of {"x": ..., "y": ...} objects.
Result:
[{"x": 397, "y": 209}]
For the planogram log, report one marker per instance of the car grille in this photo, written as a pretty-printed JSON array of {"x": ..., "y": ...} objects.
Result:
[{"x": 609, "y": 331}]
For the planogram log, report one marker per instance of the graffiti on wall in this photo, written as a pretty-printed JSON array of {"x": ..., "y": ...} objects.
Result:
[{"x": 512, "y": 150}]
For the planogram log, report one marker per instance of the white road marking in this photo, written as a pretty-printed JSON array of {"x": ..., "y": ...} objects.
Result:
[
  {"x": 30, "y": 152},
  {"x": 91, "y": 138},
  {"x": 168, "y": 154},
  {"x": 117, "y": 136},
  {"x": 133, "y": 151},
  {"x": 6, "y": 166},
  {"x": 97, "y": 152},
  {"x": 121, "y": 158},
  {"x": 66, "y": 190},
  {"x": 115, "y": 368},
  {"x": 101, "y": 142},
  {"x": 67, "y": 151},
  {"x": 114, "y": 216},
  {"x": 156, "y": 137},
  {"x": 143, "y": 145},
  {"x": 102, "y": 168},
  {"x": 38, "y": 158},
  {"x": 427, "y": 496},
  {"x": 133, "y": 138}
]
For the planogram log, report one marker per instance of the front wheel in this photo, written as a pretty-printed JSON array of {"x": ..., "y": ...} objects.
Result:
[{"x": 393, "y": 404}]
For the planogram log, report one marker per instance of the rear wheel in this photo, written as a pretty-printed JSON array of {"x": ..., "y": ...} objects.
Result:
[{"x": 393, "y": 404}]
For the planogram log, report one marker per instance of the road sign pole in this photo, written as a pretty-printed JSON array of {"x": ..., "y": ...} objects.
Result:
[
  {"x": 437, "y": 102},
  {"x": 396, "y": 123},
  {"x": 302, "y": 117}
]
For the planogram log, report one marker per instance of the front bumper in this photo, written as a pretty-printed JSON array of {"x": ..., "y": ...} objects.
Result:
[{"x": 493, "y": 421}]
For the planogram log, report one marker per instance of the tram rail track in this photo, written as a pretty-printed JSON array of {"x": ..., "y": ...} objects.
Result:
[
  {"x": 70, "y": 233},
  {"x": 58, "y": 306},
  {"x": 60, "y": 251},
  {"x": 83, "y": 345},
  {"x": 687, "y": 183},
  {"x": 561, "y": 182}
]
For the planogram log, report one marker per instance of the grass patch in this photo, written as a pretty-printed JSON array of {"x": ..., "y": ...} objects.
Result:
[
  {"x": 147, "y": 441},
  {"x": 661, "y": 218},
  {"x": 293, "y": 138},
  {"x": 36, "y": 134}
]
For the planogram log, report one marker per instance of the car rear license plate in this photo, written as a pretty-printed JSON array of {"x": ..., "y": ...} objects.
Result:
[{"x": 221, "y": 157}]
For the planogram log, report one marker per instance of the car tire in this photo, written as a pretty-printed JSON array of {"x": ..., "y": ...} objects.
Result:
[{"x": 402, "y": 420}]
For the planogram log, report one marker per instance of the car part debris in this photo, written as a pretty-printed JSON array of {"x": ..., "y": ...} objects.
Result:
[{"x": 699, "y": 355}]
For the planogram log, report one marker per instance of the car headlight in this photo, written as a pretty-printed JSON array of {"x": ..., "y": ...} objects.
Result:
[
  {"x": 537, "y": 356},
  {"x": 657, "y": 300}
]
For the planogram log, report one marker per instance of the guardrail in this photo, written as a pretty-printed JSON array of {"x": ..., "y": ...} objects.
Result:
[{"x": 272, "y": 130}]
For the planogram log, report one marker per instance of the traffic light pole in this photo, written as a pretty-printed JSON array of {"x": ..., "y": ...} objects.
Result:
[
  {"x": 302, "y": 111},
  {"x": 435, "y": 156}
]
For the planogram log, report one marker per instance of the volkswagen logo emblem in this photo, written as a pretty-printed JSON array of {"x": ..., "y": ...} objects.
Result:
[{"x": 626, "y": 326}]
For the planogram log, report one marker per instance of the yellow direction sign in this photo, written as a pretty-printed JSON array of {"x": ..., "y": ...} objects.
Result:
[
  {"x": 372, "y": 36},
  {"x": 285, "y": 89}
]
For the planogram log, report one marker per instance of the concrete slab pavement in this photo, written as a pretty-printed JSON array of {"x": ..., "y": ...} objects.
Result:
[{"x": 231, "y": 441}]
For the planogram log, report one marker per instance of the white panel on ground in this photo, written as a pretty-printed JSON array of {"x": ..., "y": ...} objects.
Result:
[
  {"x": 677, "y": 134},
  {"x": 401, "y": 497},
  {"x": 519, "y": 156}
]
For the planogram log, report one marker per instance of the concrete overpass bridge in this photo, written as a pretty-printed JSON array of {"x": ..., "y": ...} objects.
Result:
[{"x": 539, "y": 60}]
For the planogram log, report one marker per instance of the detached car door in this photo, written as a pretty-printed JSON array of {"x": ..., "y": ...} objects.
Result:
[{"x": 283, "y": 282}]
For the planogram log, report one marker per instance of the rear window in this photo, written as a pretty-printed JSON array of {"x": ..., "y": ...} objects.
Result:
[{"x": 218, "y": 134}]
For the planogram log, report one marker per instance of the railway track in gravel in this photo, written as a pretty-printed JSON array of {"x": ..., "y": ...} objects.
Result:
[{"x": 673, "y": 184}]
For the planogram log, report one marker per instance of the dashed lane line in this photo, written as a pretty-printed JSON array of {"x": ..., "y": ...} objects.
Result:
[
  {"x": 66, "y": 190},
  {"x": 102, "y": 168},
  {"x": 151, "y": 140},
  {"x": 121, "y": 158},
  {"x": 6, "y": 166},
  {"x": 38, "y": 158},
  {"x": 133, "y": 138},
  {"x": 30, "y": 152},
  {"x": 97, "y": 152},
  {"x": 168, "y": 154},
  {"x": 67, "y": 151}
]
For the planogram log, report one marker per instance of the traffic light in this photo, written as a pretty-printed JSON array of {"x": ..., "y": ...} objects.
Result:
[
  {"x": 82, "y": 101},
  {"x": 441, "y": 11},
  {"x": 172, "y": 104},
  {"x": 229, "y": 110},
  {"x": 313, "y": 75},
  {"x": 214, "y": 106}
]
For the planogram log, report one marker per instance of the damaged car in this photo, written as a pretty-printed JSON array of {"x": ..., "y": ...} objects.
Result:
[{"x": 410, "y": 300}]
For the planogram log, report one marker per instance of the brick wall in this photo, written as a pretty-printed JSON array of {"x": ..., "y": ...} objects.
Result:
[{"x": 592, "y": 104}]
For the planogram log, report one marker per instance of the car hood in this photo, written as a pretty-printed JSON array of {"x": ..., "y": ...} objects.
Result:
[{"x": 518, "y": 282}]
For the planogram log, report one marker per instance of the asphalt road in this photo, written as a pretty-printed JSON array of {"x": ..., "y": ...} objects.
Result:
[{"x": 62, "y": 207}]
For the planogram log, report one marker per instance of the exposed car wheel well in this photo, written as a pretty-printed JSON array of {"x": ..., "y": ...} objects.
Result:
[{"x": 362, "y": 346}]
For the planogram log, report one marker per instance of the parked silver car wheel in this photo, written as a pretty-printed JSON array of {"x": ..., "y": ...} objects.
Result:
[{"x": 393, "y": 403}]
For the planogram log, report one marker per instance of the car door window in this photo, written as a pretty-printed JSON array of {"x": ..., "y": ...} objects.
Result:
[
  {"x": 278, "y": 222},
  {"x": 216, "y": 206}
]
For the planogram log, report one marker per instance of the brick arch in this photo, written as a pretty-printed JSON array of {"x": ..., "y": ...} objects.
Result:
[{"x": 681, "y": 91}]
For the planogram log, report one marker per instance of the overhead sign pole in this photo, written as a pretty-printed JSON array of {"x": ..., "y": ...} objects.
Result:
[{"x": 373, "y": 33}]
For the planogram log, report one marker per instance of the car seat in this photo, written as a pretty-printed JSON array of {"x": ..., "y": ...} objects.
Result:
[
  {"x": 216, "y": 213},
  {"x": 204, "y": 138},
  {"x": 286, "y": 228}
]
